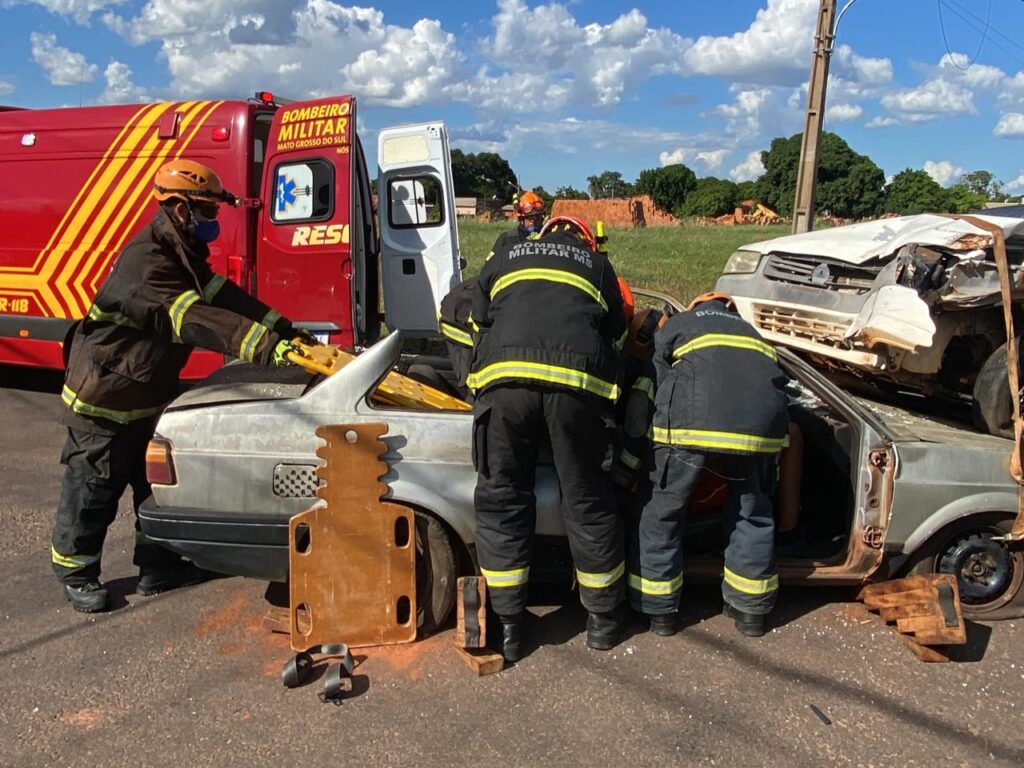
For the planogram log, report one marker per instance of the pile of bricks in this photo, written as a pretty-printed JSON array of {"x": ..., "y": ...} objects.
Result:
[{"x": 637, "y": 211}]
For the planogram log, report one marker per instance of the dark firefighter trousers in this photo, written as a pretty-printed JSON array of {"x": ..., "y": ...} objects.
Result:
[
  {"x": 750, "y": 582},
  {"x": 510, "y": 424},
  {"x": 100, "y": 463}
]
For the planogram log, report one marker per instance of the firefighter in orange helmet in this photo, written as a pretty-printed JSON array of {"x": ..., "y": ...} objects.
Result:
[
  {"x": 160, "y": 300},
  {"x": 530, "y": 214}
]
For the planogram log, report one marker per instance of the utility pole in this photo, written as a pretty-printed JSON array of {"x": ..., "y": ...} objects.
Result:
[{"x": 807, "y": 172}]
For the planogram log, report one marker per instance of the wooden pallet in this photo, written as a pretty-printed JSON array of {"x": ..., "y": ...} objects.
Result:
[
  {"x": 926, "y": 612},
  {"x": 352, "y": 563}
]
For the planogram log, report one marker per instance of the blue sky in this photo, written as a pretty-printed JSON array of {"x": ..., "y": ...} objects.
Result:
[{"x": 563, "y": 90}]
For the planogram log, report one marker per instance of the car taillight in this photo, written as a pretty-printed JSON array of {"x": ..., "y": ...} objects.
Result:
[{"x": 159, "y": 463}]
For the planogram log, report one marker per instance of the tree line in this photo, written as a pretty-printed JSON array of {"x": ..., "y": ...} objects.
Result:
[{"x": 849, "y": 185}]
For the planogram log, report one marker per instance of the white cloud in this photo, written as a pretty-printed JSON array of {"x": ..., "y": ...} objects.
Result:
[
  {"x": 1010, "y": 125},
  {"x": 865, "y": 71},
  {"x": 120, "y": 88},
  {"x": 774, "y": 50},
  {"x": 675, "y": 157},
  {"x": 944, "y": 172},
  {"x": 594, "y": 65},
  {"x": 6, "y": 86},
  {"x": 79, "y": 10},
  {"x": 770, "y": 111},
  {"x": 62, "y": 67},
  {"x": 1017, "y": 185},
  {"x": 749, "y": 170},
  {"x": 1012, "y": 92},
  {"x": 711, "y": 160},
  {"x": 881, "y": 122},
  {"x": 574, "y": 136},
  {"x": 306, "y": 47},
  {"x": 955, "y": 67},
  {"x": 839, "y": 113},
  {"x": 930, "y": 101}
]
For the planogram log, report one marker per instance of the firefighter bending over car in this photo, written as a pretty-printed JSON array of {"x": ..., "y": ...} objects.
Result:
[
  {"x": 719, "y": 399},
  {"x": 548, "y": 318},
  {"x": 160, "y": 300}
]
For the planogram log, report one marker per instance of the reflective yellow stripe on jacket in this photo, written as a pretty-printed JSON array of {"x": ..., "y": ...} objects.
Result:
[
  {"x": 629, "y": 459},
  {"x": 72, "y": 561},
  {"x": 213, "y": 287},
  {"x": 653, "y": 587},
  {"x": 724, "y": 340},
  {"x": 646, "y": 385},
  {"x": 180, "y": 307},
  {"x": 252, "y": 338},
  {"x": 551, "y": 374},
  {"x": 516, "y": 577},
  {"x": 70, "y": 398},
  {"x": 751, "y": 586},
  {"x": 457, "y": 335},
  {"x": 711, "y": 440},
  {"x": 601, "y": 580},
  {"x": 550, "y": 275},
  {"x": 95, "y": 313}
]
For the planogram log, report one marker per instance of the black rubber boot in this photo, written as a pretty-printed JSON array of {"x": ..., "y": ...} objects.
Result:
[
  {"x": 749, "y": 624},
  {"x": 155, "y": 581},
  {"x": 87, "y": 598},
  {"x": 664, "y": 624},
  {"x": 513, "y": 636},
  {"x": 604, "y": 630}
]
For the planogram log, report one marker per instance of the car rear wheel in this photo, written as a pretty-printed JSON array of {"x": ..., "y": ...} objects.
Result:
[
  {"x": 435, "y": 574},
  {"x": 989, "y": 574}
]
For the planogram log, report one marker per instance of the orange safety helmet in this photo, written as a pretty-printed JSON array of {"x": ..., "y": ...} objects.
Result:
[
  {"x": 570, "y": 224},
  {"x": 188, "y": 180},
  {"x": 529, "y": 204},
  {"x": 713, "y": 296}
]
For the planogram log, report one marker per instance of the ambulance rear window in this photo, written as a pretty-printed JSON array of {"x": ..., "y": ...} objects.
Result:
[
  {"x": 415, "y": 202},
  {"x": 304, "y": 191}
]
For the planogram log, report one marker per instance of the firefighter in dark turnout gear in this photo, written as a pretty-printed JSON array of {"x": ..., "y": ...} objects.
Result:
[
  {"x": 160, "y": 300},
  {"x": 546, "y": 364},
  {"x": 530, "y": 214},
  {"x": 719, "y": 396},
  {"x": 453, "y": 322}
]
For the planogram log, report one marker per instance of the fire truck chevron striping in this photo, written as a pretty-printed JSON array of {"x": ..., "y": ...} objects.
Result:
[{"x": 76, "y": 185}]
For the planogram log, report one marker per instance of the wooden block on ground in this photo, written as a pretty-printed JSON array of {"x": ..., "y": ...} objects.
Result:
[
  {"x": 892, "y": 599},
  {"x": 905, "y": 611},
  {"x": 923, "y": 652},
  {"x": 481, "y": 660},
  {"x": 276, "y": 620},
  {"x": 895, "y": 585},
  {"x": 471, "y": 622}
]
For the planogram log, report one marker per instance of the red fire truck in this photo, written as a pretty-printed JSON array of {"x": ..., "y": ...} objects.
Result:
[{"x": 76, "y": 184}]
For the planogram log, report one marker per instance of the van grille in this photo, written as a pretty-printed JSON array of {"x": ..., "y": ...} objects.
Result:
[
  {"x": 800, "y": 323},
  {"x": 821, "y": 273}
]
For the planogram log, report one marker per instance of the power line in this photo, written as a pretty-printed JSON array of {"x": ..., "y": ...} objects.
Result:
[
  {"x": 979, "y": 24},
  {"x": 976, "y": 26},
  {"x": 984, "y": 36}
]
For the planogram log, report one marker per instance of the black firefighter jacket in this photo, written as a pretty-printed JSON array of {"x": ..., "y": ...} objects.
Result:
[
  {"x": 548, "y": 312},
  {"x": 160, "y": 301},
  {"x": 719, "y": 387}
]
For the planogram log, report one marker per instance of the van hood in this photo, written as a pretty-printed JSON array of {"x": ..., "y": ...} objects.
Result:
[{"x": 860, "y": 243}]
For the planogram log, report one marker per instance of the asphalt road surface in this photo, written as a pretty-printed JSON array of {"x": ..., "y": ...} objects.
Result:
[{"x": 190, "y": 678}]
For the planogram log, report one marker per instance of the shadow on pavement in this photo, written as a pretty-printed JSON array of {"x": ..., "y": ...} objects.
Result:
[{"x": 31, "y": 379}]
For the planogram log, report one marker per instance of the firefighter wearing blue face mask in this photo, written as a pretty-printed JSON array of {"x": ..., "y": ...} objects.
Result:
[{"x": 160, "y": 300}]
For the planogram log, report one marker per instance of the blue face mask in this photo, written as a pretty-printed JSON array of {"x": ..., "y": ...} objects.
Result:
[{"x": 205, "y": 231}]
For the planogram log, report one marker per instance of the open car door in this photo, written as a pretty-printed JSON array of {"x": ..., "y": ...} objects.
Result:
[{"x": 419, "y": 238}]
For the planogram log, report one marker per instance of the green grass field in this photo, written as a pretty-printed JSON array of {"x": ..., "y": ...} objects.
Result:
[{"x": 679, "y": 261}]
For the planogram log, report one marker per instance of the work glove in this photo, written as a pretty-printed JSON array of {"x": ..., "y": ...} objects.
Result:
[
  {"x": 279, "y": 358},
  {"x": 285, "y": 329}
]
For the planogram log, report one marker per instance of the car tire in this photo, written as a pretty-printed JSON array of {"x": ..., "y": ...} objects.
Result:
[
  {"x": 990, "y": 575},
  {"x": 993, "y": 406},
  {"x": 435, "y": 574}
]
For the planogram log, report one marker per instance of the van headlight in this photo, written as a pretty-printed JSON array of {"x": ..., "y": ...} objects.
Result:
[{"x": 742, "y": 261}]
